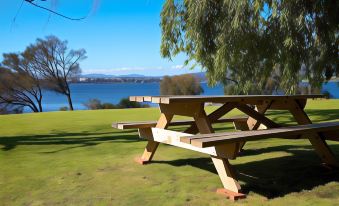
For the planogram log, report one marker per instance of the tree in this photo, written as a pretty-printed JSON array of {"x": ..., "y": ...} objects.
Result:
[
  {"x": 247, "y": 40},
  {"x": 57, "y": 64},
  {"x": 18, "y": 90},
  {"x": 21, "y": 83},
  {"x": 185, "y": 84}
]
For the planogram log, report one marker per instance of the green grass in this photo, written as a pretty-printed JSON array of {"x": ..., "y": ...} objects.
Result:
[{"x": 76, "y": 158}]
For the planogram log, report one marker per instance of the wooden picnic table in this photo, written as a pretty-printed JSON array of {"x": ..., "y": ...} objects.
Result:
[{"x": 255, "y": 106}]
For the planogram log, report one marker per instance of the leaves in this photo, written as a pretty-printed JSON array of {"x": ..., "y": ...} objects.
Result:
[{"x": 247, "y": 40}]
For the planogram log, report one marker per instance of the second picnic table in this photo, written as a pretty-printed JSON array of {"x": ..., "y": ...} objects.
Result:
[{"x": 255, "y": 106}]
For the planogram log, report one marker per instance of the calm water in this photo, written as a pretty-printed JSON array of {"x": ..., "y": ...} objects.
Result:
[
  {"x": 82, "y": 92},
  {"x": 112, "y": 93}
]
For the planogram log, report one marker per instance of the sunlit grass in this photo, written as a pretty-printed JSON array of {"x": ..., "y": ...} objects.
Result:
[{"x": 76, "y": 158}]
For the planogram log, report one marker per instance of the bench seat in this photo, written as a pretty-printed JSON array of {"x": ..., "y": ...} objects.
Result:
[
  {"x": 147, "y": 124},
  {"x": 325, "y": 129}
]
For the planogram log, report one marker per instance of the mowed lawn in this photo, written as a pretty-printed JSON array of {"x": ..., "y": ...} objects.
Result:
[{"x": 76, "y": 158}]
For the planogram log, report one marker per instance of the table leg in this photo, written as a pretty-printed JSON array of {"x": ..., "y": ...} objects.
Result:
[
  {"x": 224, "y": 168},
  {"x": 152, "y": 146},
  {"x": 319, "y": 144},
  {"x": 227, "y": 176}
]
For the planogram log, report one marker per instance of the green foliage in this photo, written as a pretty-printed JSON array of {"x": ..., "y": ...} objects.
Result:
[
  {"x": 247, "y": 41},
  {"x": 94, "y": 104},
  {"x": 185, "y": 84},
  {"x": 125, "y": 103},
  {"x": 63, "y": 109}
]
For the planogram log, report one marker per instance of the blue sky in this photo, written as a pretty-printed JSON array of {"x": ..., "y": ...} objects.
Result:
[{"x": 120, "y": 36}]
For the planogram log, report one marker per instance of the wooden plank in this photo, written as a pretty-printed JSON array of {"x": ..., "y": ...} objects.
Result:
[
  {"x": 132, "y": 98},
  {"x": 183, "y": 109},
  {"x": 233, "y": 98},
  {"x": 256, "y": 115},
  {"x": 145, "y": 124},
  {"x": 227, "y": 98},
  {"x": 173, "y": 138},
  {"x": 147, "y": 98},
  {"x": 226, "y": 138},
  {"x": 328, "y": 135}
]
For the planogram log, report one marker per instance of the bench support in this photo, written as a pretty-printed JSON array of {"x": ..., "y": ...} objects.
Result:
[
  {"x": 152, "y": 146},
  {"x": 319, "y": 144},
  {"x": 227, "y": 176}
]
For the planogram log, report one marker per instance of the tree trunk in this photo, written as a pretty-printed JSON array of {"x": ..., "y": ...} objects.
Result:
[
  {"x": 40, "y": 106},
  {"x": 69, "y": 101},
  {"x": 33, "y": 108}
]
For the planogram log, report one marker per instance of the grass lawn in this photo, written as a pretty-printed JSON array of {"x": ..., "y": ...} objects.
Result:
[{"x": 76, "y": 158}]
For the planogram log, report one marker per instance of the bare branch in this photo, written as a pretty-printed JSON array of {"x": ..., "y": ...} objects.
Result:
[{"x": 54, "y": 12}]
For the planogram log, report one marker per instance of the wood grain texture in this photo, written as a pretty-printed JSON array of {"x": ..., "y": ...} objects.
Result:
[
  {"x": 207, "y": 140},
  {"x": 145, "y": 124},
  {"x": 222, "y": 98}
]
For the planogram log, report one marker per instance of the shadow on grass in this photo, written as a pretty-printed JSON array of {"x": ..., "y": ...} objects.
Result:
[
  {"x": 80, "y": 139},
  {"x": 275, "y": 177},
  {"x": 315, "y": 115}
]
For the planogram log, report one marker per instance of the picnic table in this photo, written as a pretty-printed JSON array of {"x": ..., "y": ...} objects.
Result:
[{"x": 226, "y": 145}]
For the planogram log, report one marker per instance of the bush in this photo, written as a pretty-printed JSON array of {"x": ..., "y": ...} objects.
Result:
[
  {"x": 185, "y": 84},
  {"x": 10, "y": 109},
  {"x": 125, "y": 103},
  {"x": 108, "y": 106},
  {"x": 94, "y": 104},
  {"x": 63, "y": 109}
]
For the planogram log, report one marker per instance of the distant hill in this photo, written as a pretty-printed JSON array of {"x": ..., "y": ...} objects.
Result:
[
  {"x": 97, "y": 76},
  {"x": 132, "y": 75},
  {"x": 200, "y": 75},
  {"x": 109, "y": 76}
]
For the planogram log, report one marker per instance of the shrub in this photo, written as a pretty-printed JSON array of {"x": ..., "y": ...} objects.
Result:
[
  {"x": 185, "y": 84},
  {"x": 125, "y": 103},
  {"x": 108, "y": 106},
  {"x": 63, "y": 109},
  {"x": 94, "y": 104}
]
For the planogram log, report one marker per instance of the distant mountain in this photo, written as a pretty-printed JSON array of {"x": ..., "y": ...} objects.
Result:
[
  {"x": 97, "y": 75},
  {"x": 132, "y": 75},
  {"x": 200, "y": 75}
]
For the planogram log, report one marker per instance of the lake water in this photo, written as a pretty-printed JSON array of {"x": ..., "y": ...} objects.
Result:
[{"x": 113, "y": 92}]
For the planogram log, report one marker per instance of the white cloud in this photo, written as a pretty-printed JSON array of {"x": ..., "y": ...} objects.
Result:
[{"x": 180, "y": 66}]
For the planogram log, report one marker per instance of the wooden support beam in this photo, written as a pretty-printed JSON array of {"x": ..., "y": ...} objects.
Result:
[
  {"x": 319, "y": 144},
  {"x": 152, "y": 146},
  {"x": 226, "y": 174},
  {"x": 213, "y": 117},
  {"x": 256, "y": 115}
]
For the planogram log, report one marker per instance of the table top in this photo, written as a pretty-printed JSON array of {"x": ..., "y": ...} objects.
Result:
[{"x": 218, "y": 98}]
